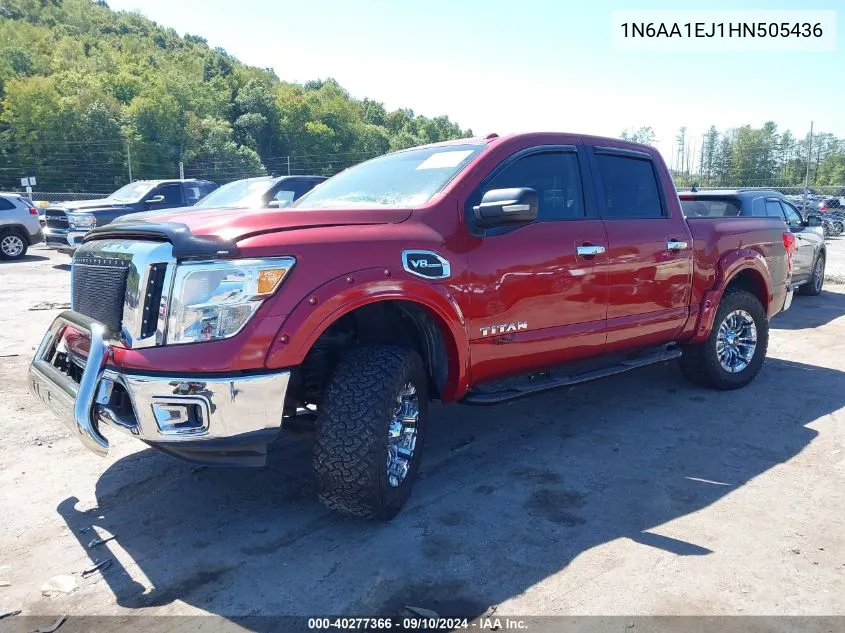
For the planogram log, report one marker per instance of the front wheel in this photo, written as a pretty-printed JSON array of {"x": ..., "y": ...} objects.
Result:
[
  {"x": 12, "y": 245},
  {"x": 370, "y": 429},
  {"x": 732, "y": 355}
]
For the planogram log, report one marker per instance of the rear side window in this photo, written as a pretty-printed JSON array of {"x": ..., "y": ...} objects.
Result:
[
  {"x": 773, "y": 209},
  {"x": 555, "y": 177},
  {"x": 711, "y": 208},
  {"x": 5, "y": 205},
  {"x": 629, "y": 187}
]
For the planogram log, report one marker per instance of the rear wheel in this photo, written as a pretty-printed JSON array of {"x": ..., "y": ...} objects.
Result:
[
  {"x": 813, "y": 287},
  {"x": 13, "y": 245},
  {"x": 732, "y": 355},
  {"x": 370, "y": 429}
]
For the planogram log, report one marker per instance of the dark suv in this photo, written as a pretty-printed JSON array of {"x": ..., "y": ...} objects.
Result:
[
  {"x": 809, "y": 259},
  {"x": 68, "y": 222}
]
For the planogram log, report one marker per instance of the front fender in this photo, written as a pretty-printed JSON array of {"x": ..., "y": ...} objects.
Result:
[
  {"x": 727, "y": 268},
  {"x": 338, "y": 297}
]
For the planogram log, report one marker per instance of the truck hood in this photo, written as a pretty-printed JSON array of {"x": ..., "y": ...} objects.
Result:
[
  {"x": 89, "y": 206},
  {"x": 225, "y": 227}
]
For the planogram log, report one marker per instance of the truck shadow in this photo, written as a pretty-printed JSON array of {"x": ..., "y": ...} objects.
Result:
[
  {"x": 809, "y": 312},
  {"x": 508, "y": 496}
]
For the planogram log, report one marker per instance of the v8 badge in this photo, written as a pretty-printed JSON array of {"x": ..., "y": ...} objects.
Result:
[{"x": 426, "y": 264}]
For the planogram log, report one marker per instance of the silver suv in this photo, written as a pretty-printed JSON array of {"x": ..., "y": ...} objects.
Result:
[{"x": 20, "y": 226}]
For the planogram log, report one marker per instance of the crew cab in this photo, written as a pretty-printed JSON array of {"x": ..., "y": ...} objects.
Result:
[
  {"x": 474, "y": 271},
  {"x": 68, "y": 222},
  {"x": 810, "y": 250}
]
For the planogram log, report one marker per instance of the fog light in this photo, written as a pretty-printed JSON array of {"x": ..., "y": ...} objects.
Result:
[{"x": 186, "y": 417}]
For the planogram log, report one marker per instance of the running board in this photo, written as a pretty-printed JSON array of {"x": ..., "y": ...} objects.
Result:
[{"x": 556, "y": 379}]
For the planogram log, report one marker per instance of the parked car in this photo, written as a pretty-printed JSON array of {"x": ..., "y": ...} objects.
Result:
[
  {"x": 477, "y": 270},
  {"x": 273, "y": 192},
  {"x": 68, "y": 222},
  {"x": 19, "y": 225},
  {"x": 830, "y": 214},
  {"x": 810, "y": 253}
]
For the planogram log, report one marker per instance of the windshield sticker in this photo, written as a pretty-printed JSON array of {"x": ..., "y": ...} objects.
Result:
[{"x": 441, "y": 160}]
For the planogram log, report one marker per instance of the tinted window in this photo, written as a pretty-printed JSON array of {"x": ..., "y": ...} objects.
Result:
[
  {"x": 630, "y": 187},
  {"x": 5, "y": 205},
  {"x": 172, "y": 194},
  {"x": 758, "y": 207},
  {"x": 554, "y": 176},
  {"x": 710, "y": 208}
]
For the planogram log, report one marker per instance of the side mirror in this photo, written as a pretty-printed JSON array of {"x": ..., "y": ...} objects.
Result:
[
  {"x": 501, "y": 207},
  {"x": 155, "y": 199},
  {"x": 276, "y": 204}
]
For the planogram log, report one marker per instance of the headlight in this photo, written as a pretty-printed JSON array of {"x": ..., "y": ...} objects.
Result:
[
  {"x": 84, "y": 221},
  {"x": 215, "y": 300}
]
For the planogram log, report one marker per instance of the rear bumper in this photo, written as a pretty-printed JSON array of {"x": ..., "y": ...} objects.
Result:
[
  {"x": 64, "y": 240},
  {"x": 209, "y": 419}
]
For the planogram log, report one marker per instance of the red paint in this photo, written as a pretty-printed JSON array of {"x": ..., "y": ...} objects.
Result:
[{"x": 637, "y": 293}]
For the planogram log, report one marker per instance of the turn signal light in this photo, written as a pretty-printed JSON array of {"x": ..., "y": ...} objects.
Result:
[{"x": 269, "y": 279}]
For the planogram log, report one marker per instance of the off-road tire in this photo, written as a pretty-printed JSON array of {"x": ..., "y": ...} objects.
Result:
[
  {"x": 350, "y": 450},
  {"x": 700, "y": 364},
  {"x": 13, "y": 233},
  {"x": 814, "y": 284}
]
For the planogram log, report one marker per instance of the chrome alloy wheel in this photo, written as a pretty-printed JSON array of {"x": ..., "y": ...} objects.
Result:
[
  {"x": 402, "y": 434},
  {"x": 12, "y": 245},
  {"x": 736, "y": 341}
]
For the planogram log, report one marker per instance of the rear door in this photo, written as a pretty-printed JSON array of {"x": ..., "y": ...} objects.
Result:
[
  {"x": 538, "y": 291},
  {"x": 650, "y": 253}
]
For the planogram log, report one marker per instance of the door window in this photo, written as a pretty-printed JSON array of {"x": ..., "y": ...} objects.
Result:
[
  {"x": 555, "y": 177},
  {"x": 774, "y": 210},
  {"x": 793, "y": 218},
  {"x": 629, "y": 187},
  {"x": 172, "y": 195}
]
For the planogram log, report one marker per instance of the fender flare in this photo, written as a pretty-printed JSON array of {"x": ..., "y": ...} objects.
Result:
[
  {"x": 342, "y": 295},
  {"x": 727, "y": 268}
]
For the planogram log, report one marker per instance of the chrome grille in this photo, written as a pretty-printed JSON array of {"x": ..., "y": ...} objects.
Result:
[
  {"x": 56, "y": 219},
  {"x": 125, "y": 285},
  {"x": 98, "y": 288}
]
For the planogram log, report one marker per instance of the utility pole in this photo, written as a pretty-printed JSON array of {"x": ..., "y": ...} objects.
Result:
[
  {"x": 181, "y": 170},
  {"x": 129, "y": 160},
  {"x": 288, "y": 164},
  {"x": 807, "y": 174}
]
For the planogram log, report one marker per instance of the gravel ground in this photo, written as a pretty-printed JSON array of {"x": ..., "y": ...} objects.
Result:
[{"x": 639, "y": 494}]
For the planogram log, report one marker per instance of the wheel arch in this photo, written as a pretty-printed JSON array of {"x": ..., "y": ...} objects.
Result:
[{"x": 402, "y": 311}]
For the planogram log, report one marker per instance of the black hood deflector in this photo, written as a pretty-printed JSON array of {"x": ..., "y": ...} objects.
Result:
[{"x": 186, "y": 245}]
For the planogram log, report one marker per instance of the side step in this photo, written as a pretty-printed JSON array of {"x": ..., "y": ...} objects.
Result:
[{"x": 539, "y": 382}]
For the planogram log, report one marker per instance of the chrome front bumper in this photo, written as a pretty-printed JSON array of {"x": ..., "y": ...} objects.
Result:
[
  {"x": 63, "y": 239},
  {"x": 225, "y": 420}
]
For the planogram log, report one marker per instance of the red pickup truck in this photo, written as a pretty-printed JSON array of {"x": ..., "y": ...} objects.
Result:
[{"x": 478, "y": 271}]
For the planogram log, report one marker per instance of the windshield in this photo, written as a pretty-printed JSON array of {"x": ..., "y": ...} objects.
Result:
[
  {"x": 241, "y": 193},
  {"x": 133, "y": 192},
  {"x": 400, "y": 180}
]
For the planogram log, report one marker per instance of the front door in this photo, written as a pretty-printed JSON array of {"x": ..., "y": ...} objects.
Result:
[{"x": 538, "y": 291}]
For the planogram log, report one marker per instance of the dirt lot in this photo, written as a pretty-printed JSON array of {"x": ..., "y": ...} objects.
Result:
[{"x": 639, "y": 494}]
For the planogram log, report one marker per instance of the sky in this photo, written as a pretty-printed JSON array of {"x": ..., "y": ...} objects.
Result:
[{"x": 522, "y": 65}]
